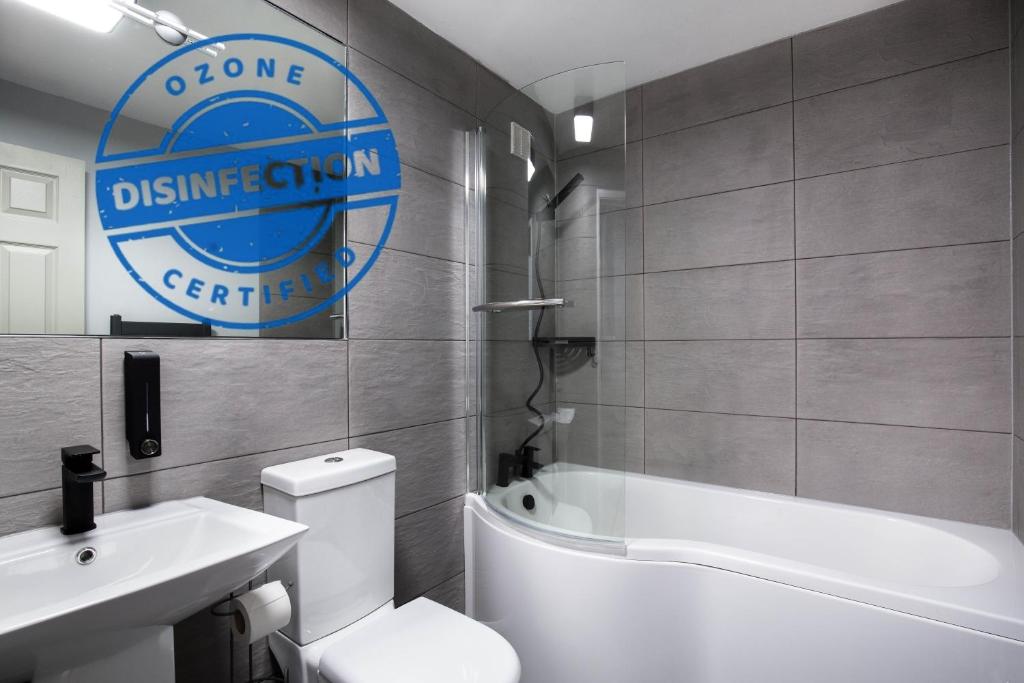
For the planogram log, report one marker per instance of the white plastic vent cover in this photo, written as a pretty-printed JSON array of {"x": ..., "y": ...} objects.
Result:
[{"x": 522, "y": 140}]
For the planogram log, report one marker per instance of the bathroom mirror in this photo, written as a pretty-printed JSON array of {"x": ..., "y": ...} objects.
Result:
[{"x": 66, "y": 72}]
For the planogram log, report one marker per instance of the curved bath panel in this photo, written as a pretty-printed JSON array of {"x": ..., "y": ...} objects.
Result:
[{"x": 719, "y": 585}]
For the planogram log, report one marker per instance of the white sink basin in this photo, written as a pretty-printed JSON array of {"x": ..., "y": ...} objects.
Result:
[{"x": 149, "y": 568}]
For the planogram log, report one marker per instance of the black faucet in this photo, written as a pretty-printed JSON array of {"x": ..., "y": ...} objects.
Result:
[
  {"x": 521, "y": 463},
  {"x": 77, "y": 476}
]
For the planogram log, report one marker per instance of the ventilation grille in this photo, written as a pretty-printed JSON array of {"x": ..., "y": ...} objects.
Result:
[{"x": 521, "y": 141}]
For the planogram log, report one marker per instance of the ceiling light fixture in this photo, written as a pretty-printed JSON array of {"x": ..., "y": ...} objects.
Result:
[
  {"x": 95, "y": 15},
  {"x": 583, "y": 122},
  {"x": 103, "y": 15},
  {"x": 168, "y": 26}
]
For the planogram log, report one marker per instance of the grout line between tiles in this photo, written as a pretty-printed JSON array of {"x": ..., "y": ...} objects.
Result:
[
  {"x": 835, "y": 421},
  {"x": 831, "y": 173},
  {"x": 432, "y": 505},
  {"x": 804, "y": 98},
  {"x": 805, "y": 258},
  {"x": 438, "y": 585},
  {"x": 420, "y": 86},
  {"x": 410, "y": 253}
]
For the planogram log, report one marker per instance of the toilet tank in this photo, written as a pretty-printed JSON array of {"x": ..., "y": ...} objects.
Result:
[{"x": 343, "y": 567}]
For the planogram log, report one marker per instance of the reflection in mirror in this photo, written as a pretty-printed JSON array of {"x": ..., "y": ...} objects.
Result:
[{"x": 62, "y": 74}]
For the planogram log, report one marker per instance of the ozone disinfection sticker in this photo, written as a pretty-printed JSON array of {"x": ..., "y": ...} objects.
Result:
[{"x": 225, "y": 220}]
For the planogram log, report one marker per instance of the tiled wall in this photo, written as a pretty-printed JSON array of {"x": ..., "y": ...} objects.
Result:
[
  {"x": 826, "y": 265},
  {"x": 1017, "y": 230},
  {"x": 234, "y": 406}
]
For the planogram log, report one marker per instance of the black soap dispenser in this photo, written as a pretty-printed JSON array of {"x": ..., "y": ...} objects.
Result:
[{"x": 142, "y": 403}]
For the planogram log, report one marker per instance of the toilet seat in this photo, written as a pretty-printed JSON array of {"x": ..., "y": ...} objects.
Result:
[{"x": 421, "y": 642}]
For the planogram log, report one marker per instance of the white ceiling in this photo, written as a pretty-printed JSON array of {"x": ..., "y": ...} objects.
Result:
[{"x": 525, "y": 40}]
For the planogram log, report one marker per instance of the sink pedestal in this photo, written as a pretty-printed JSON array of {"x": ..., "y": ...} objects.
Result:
[{"x": 142, "y": 654}]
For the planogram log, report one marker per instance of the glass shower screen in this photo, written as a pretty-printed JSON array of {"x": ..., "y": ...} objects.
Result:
[{"x": 552, "y": 231}]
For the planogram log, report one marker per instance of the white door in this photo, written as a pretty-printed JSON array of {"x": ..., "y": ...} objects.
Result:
[{"x": 42, "y": 242}]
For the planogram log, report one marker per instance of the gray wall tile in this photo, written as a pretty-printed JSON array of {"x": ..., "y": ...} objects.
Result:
[
  {"x": 451, "y": 593},
  {"x": 317, "y": 326},
  {"x": 938, "y": 473},
  {"x": 203, "y": 649},
  {"x": 634, "y": 114},
  {"x": 431, "y": 462},
  {"x": 508, "y": 236},
  {"x": 49, "y": 398},
  {"x": 304, "y": 265},
  {"x": 508, "y": 286},
  {"x": 618, "y": 378},
  {"x": 429, "y": 220},
  {"x": 941, "y": 292},
  {"x": 234, "y": 480},
  {"x": 944, "y": 109},
  {"x": 893, "y": 40},
  {"x": 953, "y": 199},
  {"x": 744, "y": 226},
  {"x": 635, "y": 373},
  {"x": 953, "y": 383},
  {"x": 635, "y": 440},
  {"x": 512, "y": 375},
  {"x": 329, "y": 16},
  {"x": 428, "y": 549},
  {"x": 229, "y": 397},
  {"x": 748, "y": 377},
  {"x": 616, "y": 168},
  {"x": 744, "y": 151},
  {"x": 392, "y": 37},
  {"x": 729, "y": 450},
  {"x": 491, "y": 91},
  {"x": 429, "y": 131},
  {"x": 599, "y": 436},
  {"x": 1017, "y": 182},
  {"x": 407, "y": 296},
  {"x": 619, "y": 250},
  {"x": 33, "y": 510},
  {"x": 750, "y": 80},
  {"x": 395, "y": 384},
  {"x": 1017, "y": 78},
  {"x": 579, "y": 381},
  {"x": 618, "y": 300},
  {"x": 729, "y": 302},
  {"x": 1018, "y": 385}
]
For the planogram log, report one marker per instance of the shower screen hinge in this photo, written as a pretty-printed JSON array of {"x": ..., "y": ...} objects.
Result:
[{"x": 521, "y": 140}]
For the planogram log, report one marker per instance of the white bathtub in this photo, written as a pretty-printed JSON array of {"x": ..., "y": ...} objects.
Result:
[{"x": 719, "y": 585}]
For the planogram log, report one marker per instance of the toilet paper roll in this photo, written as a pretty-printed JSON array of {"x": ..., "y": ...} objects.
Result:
[{"x": 260, "y": 612}]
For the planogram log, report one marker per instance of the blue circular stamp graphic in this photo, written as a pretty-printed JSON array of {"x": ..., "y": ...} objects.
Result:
[{"x": 231, "y": 214}]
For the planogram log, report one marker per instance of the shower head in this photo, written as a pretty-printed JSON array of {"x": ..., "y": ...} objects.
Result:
[{"x": 564, "y": 193}]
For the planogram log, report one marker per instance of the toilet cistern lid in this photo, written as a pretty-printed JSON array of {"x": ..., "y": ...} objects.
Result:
[
  {"x": 327, "y": 472},
  {"x": 421, "y": 642}
]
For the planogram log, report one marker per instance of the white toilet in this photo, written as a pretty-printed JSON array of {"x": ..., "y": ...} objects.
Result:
[{"x": 344, "y": 627}]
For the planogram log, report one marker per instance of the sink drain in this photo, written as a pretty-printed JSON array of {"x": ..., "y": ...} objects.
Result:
[{"x": 85, "y": 556}]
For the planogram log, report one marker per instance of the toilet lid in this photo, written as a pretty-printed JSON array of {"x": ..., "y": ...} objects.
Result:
[{"x": 421, "y": 642}]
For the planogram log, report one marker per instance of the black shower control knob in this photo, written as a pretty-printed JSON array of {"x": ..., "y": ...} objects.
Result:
[{"x": 149, "y": 447}]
